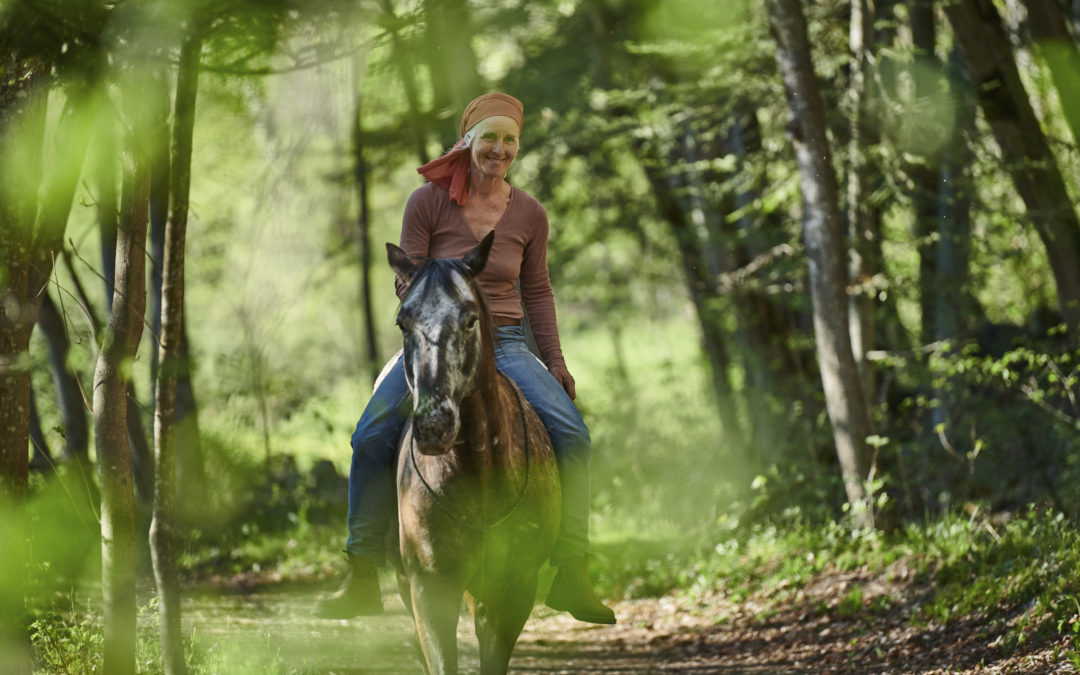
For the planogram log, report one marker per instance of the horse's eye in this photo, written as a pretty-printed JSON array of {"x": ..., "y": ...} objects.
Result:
[{"x": 470, "y": 322}]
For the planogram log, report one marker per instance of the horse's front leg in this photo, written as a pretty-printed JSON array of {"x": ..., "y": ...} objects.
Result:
[
  {"x": 499, "y": 621},
  {"x": 436, "y": 605}
]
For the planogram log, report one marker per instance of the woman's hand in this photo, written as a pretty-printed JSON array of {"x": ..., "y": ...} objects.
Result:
[{"x": 565, "y": 379}]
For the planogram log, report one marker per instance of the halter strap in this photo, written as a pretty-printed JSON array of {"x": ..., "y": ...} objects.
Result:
[{"x": 524, "y": 488}]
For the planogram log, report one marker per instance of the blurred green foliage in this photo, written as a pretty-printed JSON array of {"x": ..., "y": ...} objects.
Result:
[{"x": 621, "y": 96}]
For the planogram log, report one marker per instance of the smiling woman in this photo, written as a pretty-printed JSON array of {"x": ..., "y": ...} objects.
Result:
[{"x": 468, "y": 201}]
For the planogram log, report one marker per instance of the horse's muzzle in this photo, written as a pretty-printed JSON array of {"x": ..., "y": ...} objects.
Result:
[{"x": 435, "y": 427}]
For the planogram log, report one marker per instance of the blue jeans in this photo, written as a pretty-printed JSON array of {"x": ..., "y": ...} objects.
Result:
[{"x": 374, "y": 443}]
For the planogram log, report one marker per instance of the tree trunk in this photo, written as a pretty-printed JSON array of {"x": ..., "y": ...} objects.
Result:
[
  {"x": 776, "y": 366},
  {"x": 925, "y": 174},
  {"x": 823, "y": 238},
  {"x": 173, "y": 362},
  {"x": 30, "y": 237},
  {"x": 863, "y": 226},
  {"x": 191, "y": 467},
  {"x": 158, "y": 100},
  {"x": 360, "y": 175},
  {"x": 699, "y": 281},
  {"x": 110, "y": 392},
  {"x": 455, "y": 79},
  {"x": 1052, "y": 39},
  {"x": 22, "y": 129},
  {"x": 981, "y": 39},
  {"x": 30, "y": 243},
  {"x": 403, "y": 57},
  {"x": 190, "y": 462},
  {"x": 191, "y": 473},
  {"x": 955, "y": 306},
  {"x": 68, "y": 393}
]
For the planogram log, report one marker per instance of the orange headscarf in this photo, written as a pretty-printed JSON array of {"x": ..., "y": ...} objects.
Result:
[{"x": 451, "y": 170}]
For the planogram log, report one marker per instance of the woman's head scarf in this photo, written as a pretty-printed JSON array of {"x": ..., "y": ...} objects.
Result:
[{"x": 451, "y": 170}]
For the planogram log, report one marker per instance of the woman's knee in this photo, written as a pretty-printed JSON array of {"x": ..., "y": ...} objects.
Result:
[{"x": 570, "y": 439}]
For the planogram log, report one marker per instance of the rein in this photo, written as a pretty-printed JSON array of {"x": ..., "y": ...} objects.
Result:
[{"x": 524, "y": 488}]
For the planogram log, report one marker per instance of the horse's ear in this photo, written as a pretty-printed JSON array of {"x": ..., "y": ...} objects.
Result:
[
  {"x": 477, "y": 258},
  {"x": 400, "y": 262}
]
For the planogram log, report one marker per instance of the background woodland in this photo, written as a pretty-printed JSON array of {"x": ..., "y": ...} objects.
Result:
[{"x": 817, "y": 266}]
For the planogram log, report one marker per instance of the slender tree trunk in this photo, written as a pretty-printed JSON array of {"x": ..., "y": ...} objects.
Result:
[
  {"x": 159, "y": 215},
  {"x": 173, "y": 362},
  {"x": 823, "y": 238},
  {"x": 981, "y": 38},
  {"x": 191, "y": 467},
  {"x": 360, "y": 175},
  {"x": 699, "y": 282},
  {"x": 110, "y": 391},
  {"x": 68, "y": 393},
  {"x": 403, "y": 57},
  {"x": 190, "y": 462},
  {"x": 142, "y": 462},
  {"x": 955, "y": 306},
  {"x": 925, "y": 174},
  {"x": 865, "y": 261}
]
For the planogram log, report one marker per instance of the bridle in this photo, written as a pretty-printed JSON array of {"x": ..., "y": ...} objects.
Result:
[{"x": 524, "y": 488}]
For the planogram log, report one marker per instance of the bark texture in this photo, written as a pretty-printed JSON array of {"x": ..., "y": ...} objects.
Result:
[
  {"x": 823, "y": 238},
  {"x": 110, "y": 393},
  {"x": 171, "y": 359},
  {"x": 862, "y": 217},
  {"x": 981, "y": 38}
]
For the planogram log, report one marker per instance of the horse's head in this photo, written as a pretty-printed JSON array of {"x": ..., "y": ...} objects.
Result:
[{"x": 445, "y": 323}]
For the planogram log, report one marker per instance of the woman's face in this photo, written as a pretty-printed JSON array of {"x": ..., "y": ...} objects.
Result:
[{"x": 494, "y": 147}]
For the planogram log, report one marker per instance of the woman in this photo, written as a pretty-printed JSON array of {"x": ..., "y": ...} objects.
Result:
[{"x": 467, "y": 197}]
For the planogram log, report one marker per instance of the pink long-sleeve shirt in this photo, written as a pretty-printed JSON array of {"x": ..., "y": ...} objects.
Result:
[{"x": 435, "y": 227}]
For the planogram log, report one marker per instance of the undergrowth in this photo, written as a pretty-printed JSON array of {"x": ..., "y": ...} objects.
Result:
[{"x": 1014, "y": 572}]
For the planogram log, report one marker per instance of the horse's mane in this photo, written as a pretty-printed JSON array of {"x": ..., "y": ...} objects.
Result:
[{"x": 440, "y": 272}]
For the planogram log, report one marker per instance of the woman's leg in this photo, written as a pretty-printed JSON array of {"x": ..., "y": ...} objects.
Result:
[
  {"x": 371, "y": 498},
  {"x": 371, "y": 476},
  {"x": 571, "y": 590},
  {"x": 569, "y": 437}
]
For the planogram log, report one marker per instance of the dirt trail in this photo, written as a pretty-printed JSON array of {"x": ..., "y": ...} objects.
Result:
[{"x": 810, "y": 632}]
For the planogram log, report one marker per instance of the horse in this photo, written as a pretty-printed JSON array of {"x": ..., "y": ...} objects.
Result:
[{"x": 477, "y": 482}]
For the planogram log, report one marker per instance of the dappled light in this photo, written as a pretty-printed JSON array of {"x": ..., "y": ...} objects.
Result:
[{"x": 814, "y": 274}]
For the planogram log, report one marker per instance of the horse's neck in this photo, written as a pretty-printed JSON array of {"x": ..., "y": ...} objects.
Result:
[{"x": 489, "y": 421}]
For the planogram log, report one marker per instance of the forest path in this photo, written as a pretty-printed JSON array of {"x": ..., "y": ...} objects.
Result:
[{"x": 815, "y": 631}]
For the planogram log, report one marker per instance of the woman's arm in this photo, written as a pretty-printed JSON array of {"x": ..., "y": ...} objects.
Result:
[{"x": 539, "y": 301}]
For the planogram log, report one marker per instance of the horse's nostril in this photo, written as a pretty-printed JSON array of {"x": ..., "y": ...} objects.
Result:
[{"x": 435, "y": 424}]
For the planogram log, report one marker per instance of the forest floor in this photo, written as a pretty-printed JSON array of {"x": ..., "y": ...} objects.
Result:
[{"x": 817, "y": 628}]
